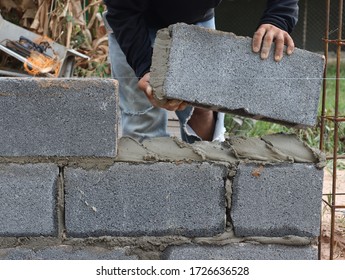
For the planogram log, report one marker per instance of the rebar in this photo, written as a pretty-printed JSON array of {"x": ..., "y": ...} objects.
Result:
[{"x": 336, "y": 118}]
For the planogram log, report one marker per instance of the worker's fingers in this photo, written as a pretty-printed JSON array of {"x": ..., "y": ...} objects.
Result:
[
  {"x": 267, "y": 44},
  {"x": 282, "y": 39},
  {"x": 175, "y": 105},
  {"x": 182, "y": 106},
  {"x": 144, "y": 85},
  {"x": 170, "y": 105},
  {"x": 263, "y": 40},
  {"x": 144, "y": 81},
  {"x": 257, "y": 39},
  {"x": 279, "y": 40},
  {"x": 290, "y": 44}
]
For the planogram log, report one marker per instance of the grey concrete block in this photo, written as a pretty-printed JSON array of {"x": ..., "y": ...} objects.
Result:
[
  {"x": 218, "y": 70},
  {"x": 146, "y": 199},
  {"x": 28, "y": 199},
  {"x": 240, "y": 251},
  {"x": 277, "y": 200},
  {"x": 65, "y": 252},
  {"x": 58, "y": 117}
]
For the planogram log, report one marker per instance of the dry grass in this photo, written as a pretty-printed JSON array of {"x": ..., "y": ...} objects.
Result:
[{"x": 76, "y": 24}]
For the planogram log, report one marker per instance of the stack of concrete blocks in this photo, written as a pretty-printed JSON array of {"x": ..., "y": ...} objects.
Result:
[{"x": 71, "y": 189}]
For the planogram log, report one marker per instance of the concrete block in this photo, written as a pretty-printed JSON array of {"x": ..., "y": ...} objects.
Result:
[
  {"x": 28, "y": 199},
  {"x": 58, "y": 117},
  {"x": 146, "y": 199},
  {"x": 218, "y": 70},
  {"x": 277, "y": 200},
  {"x": 240, "y": 251},
  {"x": 65, "y": 252}
]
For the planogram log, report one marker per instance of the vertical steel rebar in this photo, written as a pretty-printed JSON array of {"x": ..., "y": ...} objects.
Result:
[
  {"x": 324, "y": 94},
  {"x": 336, "y": 126},
  {"x": 323, "y": 108},
  {"x": 336, "y": 119}
]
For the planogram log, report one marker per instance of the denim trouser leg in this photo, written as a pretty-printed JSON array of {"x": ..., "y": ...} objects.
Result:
[{"x": 139, "y": 119}]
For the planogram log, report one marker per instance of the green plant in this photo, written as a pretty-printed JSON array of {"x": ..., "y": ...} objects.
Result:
[{"x": 252, "y": 128}]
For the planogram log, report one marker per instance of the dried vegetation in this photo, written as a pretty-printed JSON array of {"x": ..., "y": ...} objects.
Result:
[{"x": 76, "y": 24}]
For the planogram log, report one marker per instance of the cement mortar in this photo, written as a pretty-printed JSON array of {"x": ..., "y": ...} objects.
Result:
[
  {"x": 275, "y": 148},
  {"x": 145, "y": 247}
]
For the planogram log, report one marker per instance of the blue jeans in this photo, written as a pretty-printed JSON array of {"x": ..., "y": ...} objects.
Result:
[{"x": 139, "y": 119}]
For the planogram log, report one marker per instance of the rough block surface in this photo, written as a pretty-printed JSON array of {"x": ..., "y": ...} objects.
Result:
[
  {"x": 240, "y": 251},
  {"x": 218, "y": 70},
  {"x": 277, "y": 200},
  {"x": 146, "y": 199},
  {"x": 65, "y": 252},
  {"x": 58, "y": 117},
  {"x": 28, "y": 199}
]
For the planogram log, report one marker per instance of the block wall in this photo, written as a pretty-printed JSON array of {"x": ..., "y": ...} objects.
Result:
[{"x": 71, "y": 189}]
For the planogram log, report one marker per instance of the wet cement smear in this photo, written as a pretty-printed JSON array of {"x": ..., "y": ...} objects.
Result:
[
  {"x": 171, "y": 148},
  {"x": 275, "y": 148},
  {"x": 290, "y": 145},
  {"x": 130, "y": 150},
  {"x": 256, "y": 149}
]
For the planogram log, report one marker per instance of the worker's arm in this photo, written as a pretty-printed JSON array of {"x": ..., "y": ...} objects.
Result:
[
  {"x": 278, "y": 20},
  {"x": 126, "y": 18}
]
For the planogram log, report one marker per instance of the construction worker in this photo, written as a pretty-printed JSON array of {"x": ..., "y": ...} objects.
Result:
[{"x": 134, "y": 24}]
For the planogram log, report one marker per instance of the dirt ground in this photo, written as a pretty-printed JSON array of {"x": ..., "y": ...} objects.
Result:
[{"x": 339, "y": 232}]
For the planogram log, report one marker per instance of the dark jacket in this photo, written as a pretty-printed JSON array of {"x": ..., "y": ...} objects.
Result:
[{"x": 130, "y": 20}]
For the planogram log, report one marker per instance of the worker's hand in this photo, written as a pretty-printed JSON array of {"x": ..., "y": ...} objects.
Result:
[
  {"x": 171, "y": 105},
  {"x": 266, "y": 35}
]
